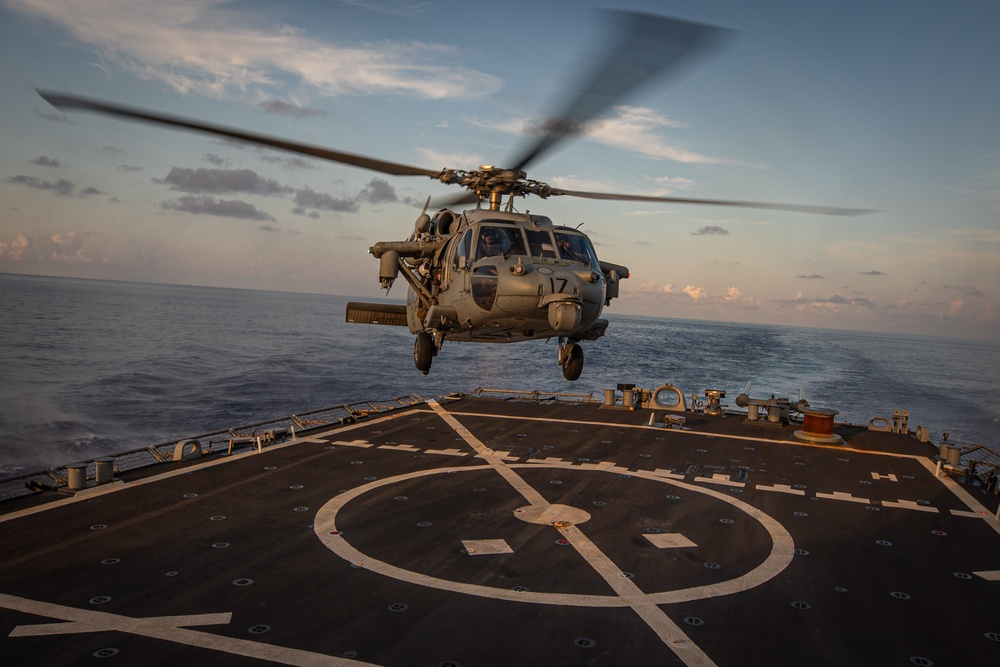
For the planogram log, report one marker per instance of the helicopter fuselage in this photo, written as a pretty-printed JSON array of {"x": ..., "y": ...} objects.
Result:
[{"x": 497, "y": 277}]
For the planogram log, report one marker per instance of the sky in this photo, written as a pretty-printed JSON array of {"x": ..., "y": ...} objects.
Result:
[{"x": 889, "y": 105}]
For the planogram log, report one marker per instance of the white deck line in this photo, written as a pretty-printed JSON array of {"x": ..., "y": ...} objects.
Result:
[{"x": 668, "y": 631}]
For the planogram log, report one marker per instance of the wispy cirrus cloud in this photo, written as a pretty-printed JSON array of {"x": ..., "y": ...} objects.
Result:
[
  {"x": 218, "y": 48},
  {"x": 636, "y": 129}
]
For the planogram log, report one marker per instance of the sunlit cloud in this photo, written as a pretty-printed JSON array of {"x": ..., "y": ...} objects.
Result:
[
  {"x": 691, "y": 294},
  {"x": 211, "y": 47},
  {"x": 637, "y": 129},
  {"x": 63, "y": 248}
]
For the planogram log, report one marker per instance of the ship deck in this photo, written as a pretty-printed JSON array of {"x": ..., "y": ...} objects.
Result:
[{"x": 481, "y": 531}]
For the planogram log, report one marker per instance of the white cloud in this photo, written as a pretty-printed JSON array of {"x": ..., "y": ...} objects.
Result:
[
  {"x": 208, "y": 47},
  {"x": 437, "y": 159},
  {"x": 633, "y": 128},
  {"x": 696, "y": 293}
]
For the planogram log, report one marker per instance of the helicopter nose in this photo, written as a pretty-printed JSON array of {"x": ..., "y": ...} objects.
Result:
[{"x": 564, "y": 316}]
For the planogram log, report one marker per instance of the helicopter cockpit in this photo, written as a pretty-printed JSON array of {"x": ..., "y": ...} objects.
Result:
[{"x": 495, "y": 240}]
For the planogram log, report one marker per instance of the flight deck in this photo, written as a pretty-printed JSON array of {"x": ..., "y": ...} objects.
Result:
[{"x": 481, "y": 531}]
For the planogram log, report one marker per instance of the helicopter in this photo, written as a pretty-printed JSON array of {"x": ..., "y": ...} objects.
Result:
[{"x": 493, "y": 274}]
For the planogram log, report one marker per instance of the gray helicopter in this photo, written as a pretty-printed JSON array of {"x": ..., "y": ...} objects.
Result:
[{"x": 495, "y": 275}]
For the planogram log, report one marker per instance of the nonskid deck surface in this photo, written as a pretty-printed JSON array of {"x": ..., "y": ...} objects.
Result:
[{"x": 489, "y": 532}]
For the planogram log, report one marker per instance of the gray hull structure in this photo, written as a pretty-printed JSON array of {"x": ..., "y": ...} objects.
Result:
[{"x": 480, "y": 531}]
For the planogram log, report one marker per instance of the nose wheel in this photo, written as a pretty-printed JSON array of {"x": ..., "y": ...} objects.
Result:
[
  {"x": 571, "y": 359},
  {"x": 423, "y": 352}
]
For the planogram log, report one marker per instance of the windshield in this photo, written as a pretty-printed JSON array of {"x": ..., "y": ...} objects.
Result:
[
  {"x": 540, "y": 243},
  {"x": 495, "y": 240},
  {"x": 576, "y": 248}
]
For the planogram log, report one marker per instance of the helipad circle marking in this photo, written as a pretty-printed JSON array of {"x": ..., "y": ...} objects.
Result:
[{"x": 777, "y": 560}]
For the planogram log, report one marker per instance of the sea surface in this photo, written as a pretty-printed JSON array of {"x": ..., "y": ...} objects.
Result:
[{"x": 89, "y": 368}]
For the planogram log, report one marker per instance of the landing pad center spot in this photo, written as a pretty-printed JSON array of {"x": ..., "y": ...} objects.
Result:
[{"x": 554, "y": 515}]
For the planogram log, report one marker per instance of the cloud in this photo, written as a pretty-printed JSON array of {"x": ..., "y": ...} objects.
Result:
[
  {"x": 207, "y": 205},
  {"x": 288, "y": 162},
  {"x": 61, "y": 187},
  {"x": 635, "y": 129},
  {"x": 671, "y": 184},
  {"x": 814, "y": 276},
  {"x": 309, "y": 198},
  {"x": 873, "y": 272},
  {"x": 129, "y": 167},
  {"x": 64, "y": 248},
  {"x": 969, "y": 291},
  {"x": 15, "y": 249},
  {"x": 377, "y": 191},
  {"x": 222, "y": 181},
  {"x": 278, "y": 107},
  {"x": 696, "y": 293},
  {"x": 837, "y": 303},
  {"x": 44, "y": 161},
  {"x": 215, "y": 48},
  {"x": 709, "y": 230}
]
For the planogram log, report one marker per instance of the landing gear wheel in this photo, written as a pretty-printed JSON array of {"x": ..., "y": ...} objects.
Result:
[
  {"x": 573, "y": 365},
  {"x": 423, "y": 352}
]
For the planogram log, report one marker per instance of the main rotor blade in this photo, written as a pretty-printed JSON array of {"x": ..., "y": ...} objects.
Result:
[
  {"x": 72, "y": 103},
  {"x": 645, "y": 46},
  {"x": 798, "y": 208}
]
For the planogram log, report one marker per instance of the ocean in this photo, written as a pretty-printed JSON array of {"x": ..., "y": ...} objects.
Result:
[{"x": 89, "y": 367}]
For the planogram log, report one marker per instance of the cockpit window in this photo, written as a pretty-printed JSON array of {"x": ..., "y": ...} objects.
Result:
[
  {"x": 495, "y": 240},
  {"x": 462, "y": 249},
  {"x": 576, "y": 248},
  {"x": 540, "y": 243}
]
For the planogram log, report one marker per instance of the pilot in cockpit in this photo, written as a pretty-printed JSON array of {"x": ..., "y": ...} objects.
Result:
[
  {"x": 568, "y": 252},
  {"x": 492, "y": 242}
]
